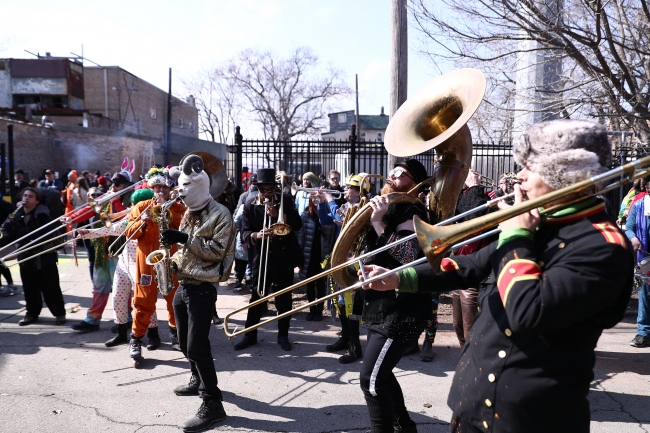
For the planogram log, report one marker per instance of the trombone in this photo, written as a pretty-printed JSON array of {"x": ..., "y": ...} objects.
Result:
[
  {"x": 353, "y": 261},
  {"x": 313, "y": 192},
  {"x": 280, "y": 228},
  {"x": 437, "y": 240},
  {"x": 94, "y": 204},
  {"x": 106, "y": 221},
  {"x": 97, "y": 204}
]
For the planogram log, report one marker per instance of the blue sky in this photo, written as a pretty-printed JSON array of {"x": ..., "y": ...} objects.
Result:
[{"x": 148, "y": 37}]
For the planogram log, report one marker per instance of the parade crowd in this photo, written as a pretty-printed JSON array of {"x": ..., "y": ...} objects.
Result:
[{"x": 540, "y": 293}]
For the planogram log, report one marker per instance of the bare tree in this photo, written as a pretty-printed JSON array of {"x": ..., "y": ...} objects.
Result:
[
  {"x": 217, "y": 101},
  {"x": 286, "y": 96},
  {"x": 597, "y": 54}
]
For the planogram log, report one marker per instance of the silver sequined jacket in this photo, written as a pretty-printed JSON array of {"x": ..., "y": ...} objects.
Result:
[{"x": 208, "y": 254}]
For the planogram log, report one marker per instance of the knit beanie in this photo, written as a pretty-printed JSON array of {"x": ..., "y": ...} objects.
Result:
[
  {"x": 141, "y": 194},
  {"x": 312, "y": 177},
  {"x": 563, "y": 152}
]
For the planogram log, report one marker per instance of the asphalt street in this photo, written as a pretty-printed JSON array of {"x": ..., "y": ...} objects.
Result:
[{"x": 53, "y": 379}]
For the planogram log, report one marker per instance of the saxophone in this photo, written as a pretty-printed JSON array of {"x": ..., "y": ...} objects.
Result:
[{"x": 160, "y": 259}]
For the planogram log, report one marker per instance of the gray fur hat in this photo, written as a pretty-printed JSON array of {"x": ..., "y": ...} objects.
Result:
[{"x": 564, "y": 152}]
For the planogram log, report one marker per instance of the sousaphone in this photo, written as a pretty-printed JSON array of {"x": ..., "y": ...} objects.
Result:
[
  {"x": 434, "y": 117},
  {"x": 215, "y": 170}
]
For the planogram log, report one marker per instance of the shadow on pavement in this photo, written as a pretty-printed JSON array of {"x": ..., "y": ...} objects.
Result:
[
  {"x": 609, "y": 363},
  {"x": 295, "y": 419}
]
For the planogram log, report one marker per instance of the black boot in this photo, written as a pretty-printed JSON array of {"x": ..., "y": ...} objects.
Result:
[
  {"x": 154, "y": 338},
  {"x": 341, "y": 344},
  {"x": 407, "y": 426},
  {"x": 283, "y": 341},
  {"x": 353, "y": 353},
  {"x": 427, "y": 351},
  {"x": 84, "y": 326},
  {"x": 245, "y": 342},
  {"x": 135, "y": 349},
  {"x": 173, "y": 338},
  {"x": 114, "y": 328},
  {"x": 191, "y": 388},
  {"x": 216, "y": 320},
  {"x": 120, "y": 336},
  {"x": 211, "y": 411}
]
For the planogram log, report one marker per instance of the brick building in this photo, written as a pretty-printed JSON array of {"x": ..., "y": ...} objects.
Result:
[{"x": 70, "y": 116}]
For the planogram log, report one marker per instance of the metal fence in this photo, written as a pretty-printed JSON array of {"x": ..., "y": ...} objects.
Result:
[{"x": 296, "y": 157}]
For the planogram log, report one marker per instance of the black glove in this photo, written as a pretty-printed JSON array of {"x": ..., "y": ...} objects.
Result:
[{"x": 170, "y": 237}]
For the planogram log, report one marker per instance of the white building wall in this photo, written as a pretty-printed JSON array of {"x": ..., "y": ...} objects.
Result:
[{"x": 5, "y": 85}]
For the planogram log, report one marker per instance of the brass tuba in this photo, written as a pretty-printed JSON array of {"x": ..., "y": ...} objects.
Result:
[{"x": 435, "y": 117}]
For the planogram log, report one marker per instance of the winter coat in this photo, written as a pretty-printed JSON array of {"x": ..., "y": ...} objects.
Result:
[{"x": 306, "y": 240}]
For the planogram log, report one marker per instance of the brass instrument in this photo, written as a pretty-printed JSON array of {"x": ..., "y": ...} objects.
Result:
[
  {"x": 94, "y": 204},
  {"x": 313, "y": 192},
  {"x": 106, "y": 221},
  {"x": 484, "y": 181},
  {"x": 97, "y": 204},
  {"x": 438, "y": 245},
  {"x": 435, "y": 117},
  {"x": 281, "y": 228},
  {"x": 160, "y": 259}
]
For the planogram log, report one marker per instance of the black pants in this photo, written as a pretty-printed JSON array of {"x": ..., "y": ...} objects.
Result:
[
  {"x": 5, "y": 272},
  {"x": 240, "y": 269},
  {"x": 193, "y": 307},
  {"x": 282, "y": 303},
  {"x": 349, "y": 328},
  {"x": 315, "y": 290},
  {"x": 383, "y": 393},
  {"x": 43, "y": 282}
]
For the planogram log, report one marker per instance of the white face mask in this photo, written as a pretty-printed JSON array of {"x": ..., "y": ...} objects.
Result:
[{"x": 194, "y": 190}]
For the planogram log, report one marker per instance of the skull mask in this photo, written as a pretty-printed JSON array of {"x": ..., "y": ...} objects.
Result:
[{"x": 193, "y": 182}]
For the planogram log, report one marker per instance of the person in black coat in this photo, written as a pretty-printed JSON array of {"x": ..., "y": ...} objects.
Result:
[
  {"x": 547, "y": 290},
  {"x": 395, "y": 320},
  {"x": 284, "y": 254},
  {"x": 40, "y": 275}
]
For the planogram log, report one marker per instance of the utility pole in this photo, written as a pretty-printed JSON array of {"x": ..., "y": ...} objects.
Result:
[
  {"x": 398, "y": 61},
  {"x": 356, "y": 120},
  {"x": 168, "y": 147}
]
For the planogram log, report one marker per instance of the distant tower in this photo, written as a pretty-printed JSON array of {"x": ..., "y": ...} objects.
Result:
[{"x": 538, "y": 76}]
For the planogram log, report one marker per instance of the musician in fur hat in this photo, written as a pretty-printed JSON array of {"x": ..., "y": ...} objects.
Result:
[{"x": 547, "y": 289}]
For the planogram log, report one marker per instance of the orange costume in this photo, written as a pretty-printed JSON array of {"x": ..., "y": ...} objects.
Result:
[{"x": 146, "y": 287}]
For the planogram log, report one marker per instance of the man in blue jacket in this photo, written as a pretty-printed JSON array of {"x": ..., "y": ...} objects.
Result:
[{"x": 637, "y": 230}]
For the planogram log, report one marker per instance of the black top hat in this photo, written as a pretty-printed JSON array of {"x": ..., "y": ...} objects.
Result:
[
  {"x": 416, "y": 168},
  {"x": 265, "y": 176}
]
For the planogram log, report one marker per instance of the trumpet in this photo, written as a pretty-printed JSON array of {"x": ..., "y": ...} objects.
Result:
[
  {"x": 97, "y": 204},
  {"x": 484, "y": 181},
  {"x": 436, "y": 240},
  {"x": 313, "y": 192}
]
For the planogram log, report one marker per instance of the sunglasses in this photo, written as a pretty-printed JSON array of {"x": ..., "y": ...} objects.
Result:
[
  {"x": 265, "y": 190},
  {"x": 398, "y": 172},
  {"x": 336, "y": 179}
]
